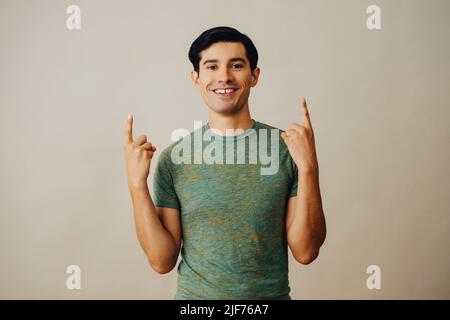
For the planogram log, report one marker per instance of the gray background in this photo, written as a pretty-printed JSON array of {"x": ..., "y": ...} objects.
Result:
[{"x": 378, "y": 101}]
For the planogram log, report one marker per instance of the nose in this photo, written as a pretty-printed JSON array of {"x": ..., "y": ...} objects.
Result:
[{"x": 225, "y": 75}]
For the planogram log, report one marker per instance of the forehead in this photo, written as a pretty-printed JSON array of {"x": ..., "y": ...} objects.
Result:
[{"x": 224, "y": 51}]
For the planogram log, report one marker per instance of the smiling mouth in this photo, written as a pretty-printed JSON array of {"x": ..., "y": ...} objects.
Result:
[{"x": 224, "y": 92}]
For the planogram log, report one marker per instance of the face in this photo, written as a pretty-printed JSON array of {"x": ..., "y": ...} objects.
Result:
[{"x": 224, "y": 66}]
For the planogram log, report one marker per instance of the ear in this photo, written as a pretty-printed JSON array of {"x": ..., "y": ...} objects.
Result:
[
  {"x": 255, "y": 76},
  {"x": 194, "y": 77}
]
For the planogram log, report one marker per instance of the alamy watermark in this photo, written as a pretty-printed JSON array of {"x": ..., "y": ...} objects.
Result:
[
  {"x": 258, "y": 151},
  {"x": 374, "y": 280},
  {"x": 373, "y": 21},
  {"x": 74, "y": 280},
  {"x": 73, "y": 22}
]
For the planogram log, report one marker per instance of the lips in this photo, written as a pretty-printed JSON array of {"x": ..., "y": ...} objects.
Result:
[{"x": 225, "y": 92}]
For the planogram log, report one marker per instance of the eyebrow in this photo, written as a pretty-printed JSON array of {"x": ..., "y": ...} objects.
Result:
[{"x": 231, "y": 60}]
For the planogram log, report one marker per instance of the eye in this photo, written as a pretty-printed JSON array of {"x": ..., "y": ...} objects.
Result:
[
  {"x": 209, "y": 67},
  {"x": 239, "y": 66}
]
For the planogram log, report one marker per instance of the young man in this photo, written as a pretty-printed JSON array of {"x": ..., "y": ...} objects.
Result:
[{"x": 214, "y": 190}]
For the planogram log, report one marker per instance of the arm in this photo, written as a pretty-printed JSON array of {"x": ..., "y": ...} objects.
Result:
[
  {"x": 158, "y": 230},
  {"x": 305, "y": 220}
]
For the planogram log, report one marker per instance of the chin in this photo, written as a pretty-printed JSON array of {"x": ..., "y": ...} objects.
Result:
[{"x": 225, "y": 109}]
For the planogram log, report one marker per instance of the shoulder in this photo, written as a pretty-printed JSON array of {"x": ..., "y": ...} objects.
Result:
[
  {"x": 285, "y": 156},
  {"x": 268, "y": 127},
  {"x": 186, "y": 140},
  {"x": 262, "y": 125}
]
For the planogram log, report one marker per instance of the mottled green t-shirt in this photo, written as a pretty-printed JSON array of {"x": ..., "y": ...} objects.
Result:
[{"x": 232, "y": 194}]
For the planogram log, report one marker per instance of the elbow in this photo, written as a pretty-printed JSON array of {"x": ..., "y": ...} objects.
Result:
[
  {"x": 161, "y": 269},
  {"x": 306, "y": 253},
  {"x": 307, "y": 257},
  {"x": 305, "y": 260}
]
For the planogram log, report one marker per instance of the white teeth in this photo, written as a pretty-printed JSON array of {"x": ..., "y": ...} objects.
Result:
[{"x": 224, "y": 91}]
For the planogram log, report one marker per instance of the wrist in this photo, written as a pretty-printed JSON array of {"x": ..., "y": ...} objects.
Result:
[
  {"x": 310, "y": 172},
  {"x": 137, "y": 185}
]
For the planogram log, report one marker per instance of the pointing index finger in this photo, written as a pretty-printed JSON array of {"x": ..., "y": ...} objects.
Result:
[
  {"x": 306, "y": 117},
  {"x": 129, "y": 130}
]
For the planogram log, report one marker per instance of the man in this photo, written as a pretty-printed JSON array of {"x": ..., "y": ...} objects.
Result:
[{"x": 236, "y": 222}]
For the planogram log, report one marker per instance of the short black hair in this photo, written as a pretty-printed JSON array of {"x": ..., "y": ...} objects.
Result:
[{"x": 221, "y": 34}]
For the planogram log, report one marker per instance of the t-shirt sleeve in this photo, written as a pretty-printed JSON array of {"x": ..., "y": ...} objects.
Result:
[
  {"x": 294, "y": 185},
  {"x": 163, "y": 186}
]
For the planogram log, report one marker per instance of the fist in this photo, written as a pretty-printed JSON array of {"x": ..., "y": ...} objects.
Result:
[{"x": 138, "y": 155}]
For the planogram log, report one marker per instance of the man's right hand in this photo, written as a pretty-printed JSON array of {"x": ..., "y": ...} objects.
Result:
[{"x": 138, "y": 155}]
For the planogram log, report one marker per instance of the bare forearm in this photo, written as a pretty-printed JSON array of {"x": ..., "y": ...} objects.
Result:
[
  {"x": 155, "y": 240},
  {"x": 308, "y": 229}
]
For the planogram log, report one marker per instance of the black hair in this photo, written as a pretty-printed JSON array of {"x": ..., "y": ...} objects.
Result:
[{"x": 222, "y": 34}]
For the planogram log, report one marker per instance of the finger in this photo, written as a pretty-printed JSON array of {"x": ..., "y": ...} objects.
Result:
[
  {"x": 140, "y": 140},
  {"x": 296, "y": 126},
  {"x": 147, "y": 146},
  {"x": 306, "y": 118},
  {"x": 129, "y": 130},
  {"x": 149, "y": 154},
  {"x": 289, "y": 132}
]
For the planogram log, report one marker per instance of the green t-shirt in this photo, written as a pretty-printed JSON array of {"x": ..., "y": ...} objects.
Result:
[{"x": 232, "y": 211}]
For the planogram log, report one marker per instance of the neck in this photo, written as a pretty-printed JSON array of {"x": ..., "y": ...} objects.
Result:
[{"x": 240, "y": 120}]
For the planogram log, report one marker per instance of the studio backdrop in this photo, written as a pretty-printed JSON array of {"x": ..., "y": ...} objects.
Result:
[{"x": 376, "y": 77}]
